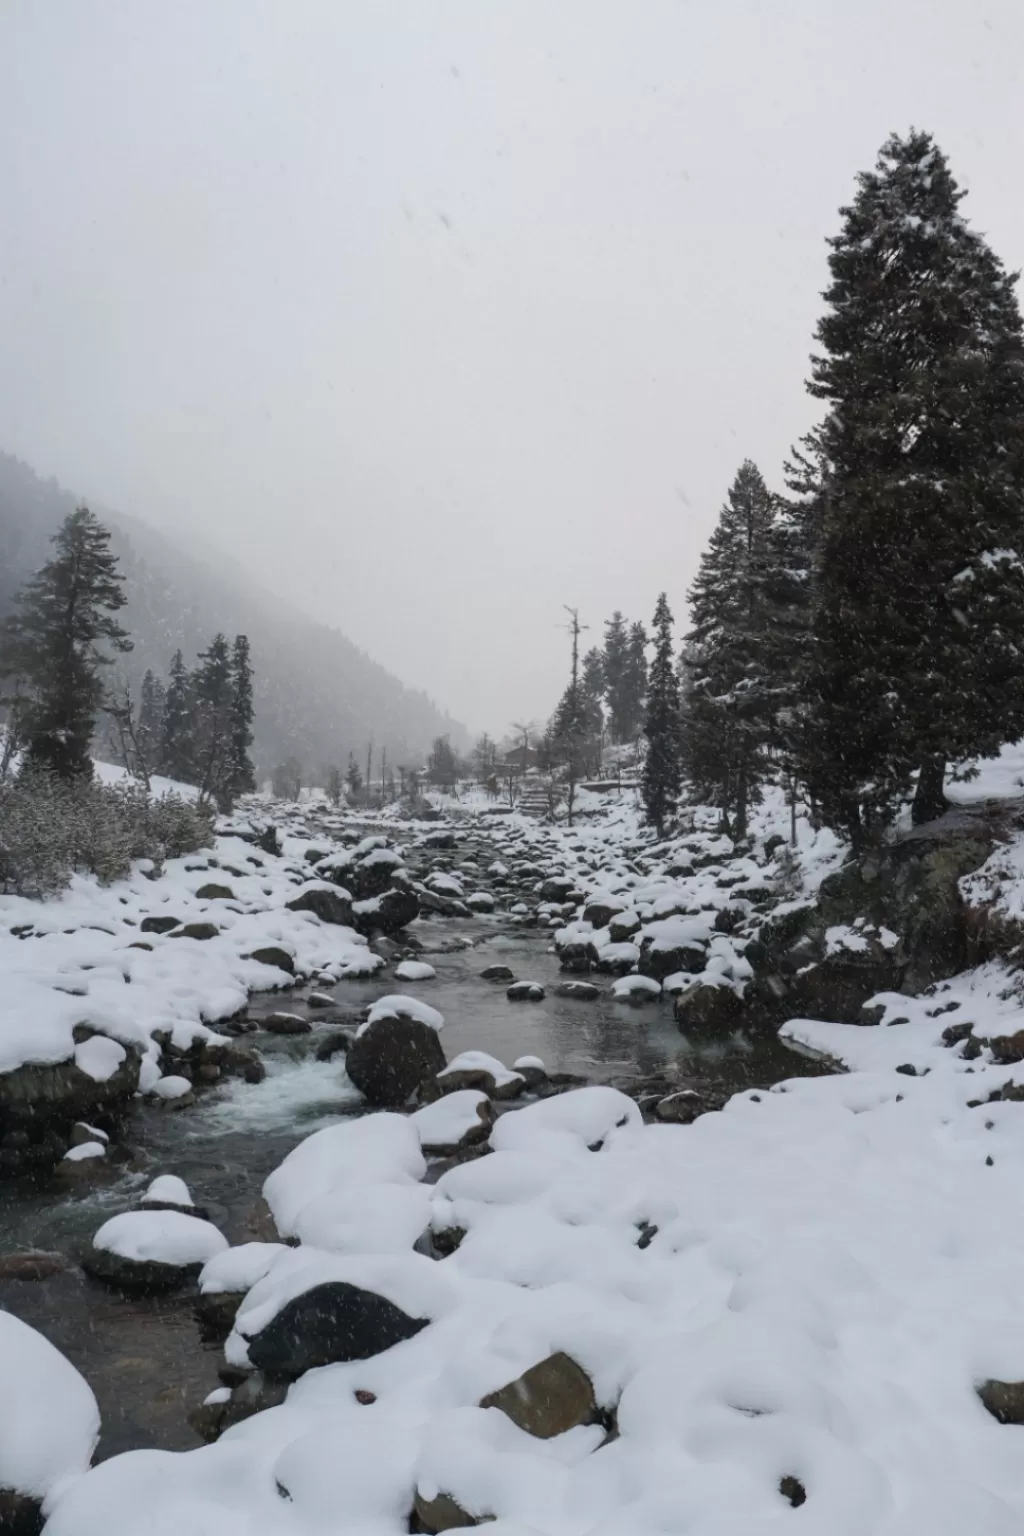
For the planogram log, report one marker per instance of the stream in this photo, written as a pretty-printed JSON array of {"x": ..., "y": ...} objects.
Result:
[{"x": 142, "y": 1355}]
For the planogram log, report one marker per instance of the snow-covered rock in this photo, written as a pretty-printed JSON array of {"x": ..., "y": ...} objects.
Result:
[
  {"x": 152, "y": 1250},
  {"x": 49, "y": 1422}
]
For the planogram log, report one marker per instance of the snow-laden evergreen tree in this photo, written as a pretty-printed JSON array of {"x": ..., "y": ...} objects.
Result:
[
  {"x": 240, "y": 775},
  {"x": 55, "y": 646},
  {"x": 593, "y": 684},
  {"x": 635, "y": 686},
  {"x": 732, "y": 657},
  {"x": 919, "y": 624},
  {"x": 213, "y": 693},
  {"x": 616, "y": 678},
  {"x": 662, "y": 770},
  {"x": 177, "y": 738}
]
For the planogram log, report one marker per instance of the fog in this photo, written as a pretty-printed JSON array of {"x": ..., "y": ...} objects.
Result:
[{"x": 439, "y": 315}]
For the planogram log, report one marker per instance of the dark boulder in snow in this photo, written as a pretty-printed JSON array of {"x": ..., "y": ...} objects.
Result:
[
  {"x": 579, "y": 991},
  {"x": 550, "y": 1398},
  {"x": 329, "y": 903},
  {"x": 497, "y": 973},
  {"x": 443, "y": 1513},
  {"x": 391, "y": 1057},
  {"x": 271, "y": 954},
  {"x": 707, "y": 1009},
  {"x": 525, "y": 992},
  {"x": 329, "y": 1323},
  {"x": 159, "y": 924},
  {"x": 201, "y": 931},
  {"x": 388, "y": 913},
  {"x": 214, "y": 892}
]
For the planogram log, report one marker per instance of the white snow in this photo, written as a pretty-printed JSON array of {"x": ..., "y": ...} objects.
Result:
[
  {"x": 85, "y": 1152},
  {"x": 171, "y": 1087},
  {"x": 165, "y": 1237},
  {"x": 99, "y": 1058},
  {"x": 445, "y": 1122},
  {"x": 398, "y": 1006},
  {"x": 49, "y": 1421},
  {"x": 479, "y": 1061},
  {"x": 414, "y": 970},
  {"x": 169, "y": 1190},
  {"x": 636, "y": 987},
  {"x": 239, "y": 1269}
]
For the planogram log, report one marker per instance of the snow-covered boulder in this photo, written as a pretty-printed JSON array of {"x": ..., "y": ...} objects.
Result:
[
  {"x": 478, "y": 1069},
  {"x": 454, "y": 1122},
  {"x": 49, "y": 1424},
  {"x": 152, "y": 1250},
  {"x": 395, "y": 1051},
  {"x": 316, "y": 1309},
  {"x": 525, "y": 992}
]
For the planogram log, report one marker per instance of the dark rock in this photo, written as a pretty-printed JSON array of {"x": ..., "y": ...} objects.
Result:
[
  {"x": 601, "y": 911},
  {"x": 471, "y": 1137},
  {"x": 525, "y": 992},
  {"x": 680, "y": 1108},
  {"x": 705, "y": 1009},
  {"x": 272, "y": 955},
  {"x": 330, "y": 1323},
  {"x": 497, "y": 973},
  {"x": 286, "y": 1024},
  {"x": 149, "y": 1277},
  {"x": 443, "y": 1513},
  {"x": 215, "y": 1313},
  {"x": 254, "y": 1393},
  {"x": 793, "y": 1489},
  {"x": 328, "y": 903},
  {"x": 330, "y": 1045},
  {"x": 550, "y": 1398},
  {"x": 444, "y": 906},
  {"x": 437, "y": 839},
  {"x": 556, "y": 888},
  {"x": 214, "y": 892},
  {"x": 1004, "y": 1400},
  {"x": 390, "y": 1059},
  {"x": 579, "y": 991},
  {"x": 196, "y": 931},
  {"x": 388, "y": 913},
  {"x": 659, "y": 963},
  {"x": 159, "y": 924},
  {"x": 33, "y": 1264},
  {"x": 19, "y": 1514},
  {"x": 621, "y": 929}
]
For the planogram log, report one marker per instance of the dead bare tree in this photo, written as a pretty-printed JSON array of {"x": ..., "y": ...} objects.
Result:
[{"x": 126, "y": 739}]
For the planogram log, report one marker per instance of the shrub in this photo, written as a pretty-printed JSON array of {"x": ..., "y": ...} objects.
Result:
[{"x": 52, "y": 827}]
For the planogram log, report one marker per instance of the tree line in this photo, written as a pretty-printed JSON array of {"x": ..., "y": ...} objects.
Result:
[
  {"x": 859, "y": 637},
  {"x": 55, "y": 651}
]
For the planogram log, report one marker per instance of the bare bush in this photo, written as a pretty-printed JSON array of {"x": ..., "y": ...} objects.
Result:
[{"x": 51, "y": 827}]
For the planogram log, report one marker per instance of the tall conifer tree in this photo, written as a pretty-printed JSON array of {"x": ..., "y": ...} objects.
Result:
[
  {"x": 732, "y": 655},
  {"x": 240, "y": 776},
  {"x": 54, "y": 646},
  {"x": 919, "y": 469},
  {"x": 662, "y": 772},
  {"x": 177, "y": 739}
]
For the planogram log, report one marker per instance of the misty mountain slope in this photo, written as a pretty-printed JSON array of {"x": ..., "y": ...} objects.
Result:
[{"x": 318, "y": 696}]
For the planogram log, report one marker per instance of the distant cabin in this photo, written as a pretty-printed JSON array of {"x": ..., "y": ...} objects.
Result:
[{"x": 520, "y": 757}]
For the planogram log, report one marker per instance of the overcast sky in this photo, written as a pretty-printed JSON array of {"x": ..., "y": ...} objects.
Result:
[{"x": 439, "y": 314}]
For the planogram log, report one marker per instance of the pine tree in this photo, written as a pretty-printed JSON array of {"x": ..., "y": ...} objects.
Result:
[
  {"x": 615, "y": 668},
  {"x": 353, "y": 776},
  {"x": 240, "y": 775},
  {"x": 593, "y": 683},
  {"x": 213, "y": 694},
  {"x": 635, "y": 683},
  {"x": 661, "y": 771},
  {"x": 919, "y": 465},
  {"x": 150, "y": 727},
  {"x": 731, "y": 687},
  {"x": 177, "y": 736},
  {"x": 52, "y": 645}
]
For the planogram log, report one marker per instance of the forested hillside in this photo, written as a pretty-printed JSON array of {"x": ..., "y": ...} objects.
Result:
[{"x": 318, "y": 696}]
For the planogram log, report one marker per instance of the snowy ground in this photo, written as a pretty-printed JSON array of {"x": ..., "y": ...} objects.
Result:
[{"x": 785, "y": 1308}]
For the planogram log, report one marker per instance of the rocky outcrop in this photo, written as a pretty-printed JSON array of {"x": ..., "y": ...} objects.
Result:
[
  {"x": 330, "y": 904},
  {"x": 893, "y": 920},
  {"x": 40, "y": 1102}
]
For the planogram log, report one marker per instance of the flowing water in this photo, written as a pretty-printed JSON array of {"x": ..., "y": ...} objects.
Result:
[{"x": 142, "y": 1356}]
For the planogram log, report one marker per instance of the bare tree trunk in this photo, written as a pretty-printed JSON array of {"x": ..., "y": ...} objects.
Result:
[{"x": 929, "y": 799}]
